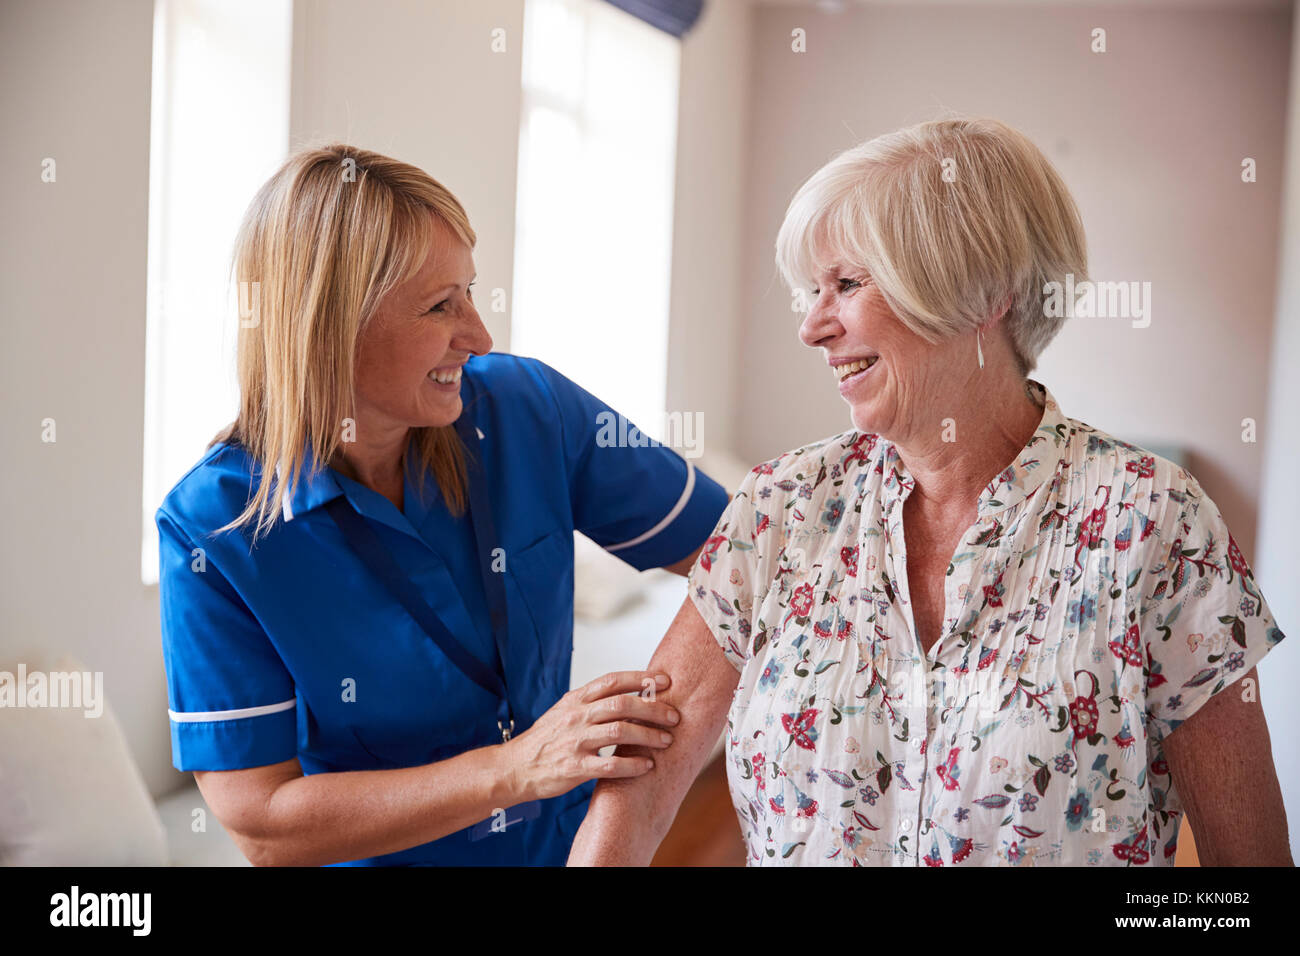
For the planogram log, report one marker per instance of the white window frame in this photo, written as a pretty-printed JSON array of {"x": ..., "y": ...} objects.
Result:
[
  {"x": 219, "y": 127},
  {"x": 595, "y": 193}
]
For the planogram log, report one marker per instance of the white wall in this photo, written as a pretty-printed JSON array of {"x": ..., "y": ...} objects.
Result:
[
  {"x": 1279, "y": 507},
  {"x": 74, "y": 82},
  {"x": 708, "y": 274}
]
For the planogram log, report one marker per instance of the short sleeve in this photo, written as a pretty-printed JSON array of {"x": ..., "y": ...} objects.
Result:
[
  {"x": 641, "y": 501},
  {"x": 231, "y": 702},
  {"x": 1204, "y": 621},
  {"x": 732, "y": 573}
]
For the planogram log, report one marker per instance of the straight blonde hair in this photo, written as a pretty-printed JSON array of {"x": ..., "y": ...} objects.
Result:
[
  {"x": 331, "y": 233},
  {"x": 950, "y": 218}
]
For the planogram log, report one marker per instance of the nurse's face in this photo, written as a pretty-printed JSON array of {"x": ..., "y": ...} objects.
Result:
[
  {"x": 425, "y": 329},
  {"x": 851, "y": 322}
]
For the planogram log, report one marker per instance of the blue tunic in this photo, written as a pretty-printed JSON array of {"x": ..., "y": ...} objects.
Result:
[{"x": 294, "y": 648}]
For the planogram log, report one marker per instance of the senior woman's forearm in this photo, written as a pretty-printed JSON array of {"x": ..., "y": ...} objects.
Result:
[{"x": 628, "y": 817}]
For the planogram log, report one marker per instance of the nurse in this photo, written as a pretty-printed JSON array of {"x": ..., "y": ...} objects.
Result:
[{"x": 367, "y": 580}]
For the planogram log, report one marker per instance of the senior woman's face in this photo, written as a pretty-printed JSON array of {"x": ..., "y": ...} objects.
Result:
[
  {"x": 424, "y": 330},
  {"x": 853, "y": 325}
]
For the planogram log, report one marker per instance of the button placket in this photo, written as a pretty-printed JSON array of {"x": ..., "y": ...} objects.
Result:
[
  {"x": 918, "y": 682},
  {"x": 915, "y": 757}
]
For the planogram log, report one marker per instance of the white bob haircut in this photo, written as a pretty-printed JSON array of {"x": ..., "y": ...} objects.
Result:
[{"x": 950, "y": 219}]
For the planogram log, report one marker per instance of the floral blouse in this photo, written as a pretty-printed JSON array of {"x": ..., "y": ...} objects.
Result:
[{"x": 1097, "y": 603}]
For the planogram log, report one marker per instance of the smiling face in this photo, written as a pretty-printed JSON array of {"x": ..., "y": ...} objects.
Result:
[
  {"x": 410, "y": 355},
  {"x": 907, "y": 376}
]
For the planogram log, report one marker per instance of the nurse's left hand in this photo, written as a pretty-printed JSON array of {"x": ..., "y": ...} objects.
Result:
[{"x": 560, "y": 750}]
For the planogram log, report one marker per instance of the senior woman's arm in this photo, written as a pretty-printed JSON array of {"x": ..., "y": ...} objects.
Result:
[
  {"x": 1222, "y": 762},
  {"x": 628, "y": 818}
]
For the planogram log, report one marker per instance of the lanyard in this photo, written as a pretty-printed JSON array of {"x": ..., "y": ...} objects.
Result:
[{"x": 363, "y": 540}]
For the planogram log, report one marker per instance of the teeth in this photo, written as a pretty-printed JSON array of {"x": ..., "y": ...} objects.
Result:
[
  {"x": 445, "y": 378},
  {"x": 842, "y": 370}
]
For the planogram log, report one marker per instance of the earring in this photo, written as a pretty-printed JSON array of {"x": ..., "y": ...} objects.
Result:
[{"x": 979, "y": 348}]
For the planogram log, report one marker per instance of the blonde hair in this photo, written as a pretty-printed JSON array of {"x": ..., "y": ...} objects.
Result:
[
  {"x": 949, "y": 218},
  {"x": 331, "y": 233}
]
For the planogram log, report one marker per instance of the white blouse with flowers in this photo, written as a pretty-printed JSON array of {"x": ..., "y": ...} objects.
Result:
[{"x": 1097, "y": 602}]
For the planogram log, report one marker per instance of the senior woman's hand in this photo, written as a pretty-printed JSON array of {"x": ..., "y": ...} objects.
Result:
[{"x": 559, "y": 751}]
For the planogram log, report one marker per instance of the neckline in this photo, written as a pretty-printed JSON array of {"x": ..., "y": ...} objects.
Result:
[{"x": 1035, "y": 461}]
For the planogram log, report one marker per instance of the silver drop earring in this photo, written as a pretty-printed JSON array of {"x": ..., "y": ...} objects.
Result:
[{"x": 979, "y": 348}]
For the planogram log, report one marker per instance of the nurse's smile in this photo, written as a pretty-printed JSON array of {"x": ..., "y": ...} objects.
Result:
[{"x": 447, "y": 378}]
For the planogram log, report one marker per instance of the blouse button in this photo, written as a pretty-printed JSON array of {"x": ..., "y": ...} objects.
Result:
[
  {"x": 906, "y": 825},
  {"x": 916, "y": 743}
]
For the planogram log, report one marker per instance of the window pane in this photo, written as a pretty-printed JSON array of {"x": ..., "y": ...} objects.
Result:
[
  {"x": 594, "y": 223},
  {"x": 220, "y": 127}
]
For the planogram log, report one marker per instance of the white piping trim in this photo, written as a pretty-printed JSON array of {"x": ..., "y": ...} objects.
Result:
[
  {"x": 199, "y": 716},
  {"x": 668, "y": 518}
]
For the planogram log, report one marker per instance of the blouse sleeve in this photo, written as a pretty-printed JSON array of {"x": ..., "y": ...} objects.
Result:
[
  {"x": 733, "y": 571},
  {"x": 1204, "y": 622}
]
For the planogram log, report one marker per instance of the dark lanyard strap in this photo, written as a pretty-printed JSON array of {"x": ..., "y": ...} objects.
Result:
[
  {"x": 483, "y": 527},
  {"x": 363, "y": 540}
]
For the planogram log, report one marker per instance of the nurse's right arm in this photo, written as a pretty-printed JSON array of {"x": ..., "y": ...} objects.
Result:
[{"x": 278, "y": 816}]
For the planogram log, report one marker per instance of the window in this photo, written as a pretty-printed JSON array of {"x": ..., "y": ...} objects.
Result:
[
  {"x": 593, "y": 233},
  {"x": 219, "y": 128}
]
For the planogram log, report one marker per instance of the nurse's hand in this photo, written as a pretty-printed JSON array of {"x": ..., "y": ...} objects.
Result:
[{"x": 559, "y": 751}]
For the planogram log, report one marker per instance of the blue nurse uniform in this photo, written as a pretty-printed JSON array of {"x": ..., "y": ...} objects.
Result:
[{"x": 293, "y": 648}]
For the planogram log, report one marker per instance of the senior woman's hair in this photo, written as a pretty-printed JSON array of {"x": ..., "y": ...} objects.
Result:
[
  {"x": 949, "y": 218},
  {"x": 332, "y": 232}
]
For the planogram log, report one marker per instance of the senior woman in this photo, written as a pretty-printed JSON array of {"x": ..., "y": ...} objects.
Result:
[
  {"x": 367, "y": 580},
  {"x": 971, "y": 630}
]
